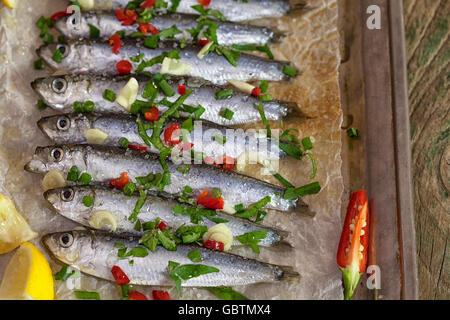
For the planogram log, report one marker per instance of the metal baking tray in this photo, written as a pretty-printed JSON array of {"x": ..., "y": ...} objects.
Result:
[{"x": 374, "y": 100}]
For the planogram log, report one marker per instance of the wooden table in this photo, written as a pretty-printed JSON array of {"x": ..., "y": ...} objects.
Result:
[{"x": 428, "y": 55}]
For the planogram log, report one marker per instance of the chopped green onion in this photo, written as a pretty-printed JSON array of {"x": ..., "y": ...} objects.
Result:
[
  {"x": 88, "y": 201},
  {"x": 57, "y": 56},
  {"x": 109, "y": 95},
  {"x": 41, "y": 105},
  {"x": 290, "y": 71},
  {"x": 38, "y": 64},
  {"x": 227, "y": 114},
  {"x": 85, "y": 178},
  {"x": 129, "y": 189},
  {"x": 85, "y": 295},
  {"x": 124, "y": 143},
  {"x": 307, "y": 144},
  {"x": 73, "y": 174},
  {"x": 224, "y": 94},
  {"x": 94, "y": 32},
  {"x": 294, "y": 193}
]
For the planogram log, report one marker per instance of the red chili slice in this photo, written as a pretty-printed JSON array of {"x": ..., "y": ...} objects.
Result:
[
  {"x": 153, "y": 115},
  {"x": 160, "y": 295},
  {"x": 120, "y": 14},
  {"x": 171, "y": 134},
  {"x": 120, "y": 276},
  {"x": 227, "y": 162},
  {"x": 59, "y": 15},
  {"x": 121, "y": 182},
  {"x": 137, "y": 147},
  {"x": 203, "y": 42},
  {"x": 148, "y": 4},
  {"x": 124, "y": 67},
  {"x": 210, "y": 202},
  {"x": 147, "y": 27},
  {"x": 182, "y": 90},
  {"x": 214, "y": 245},
  {"x": 161, "y": 226},
  {"x": 256, "y": 92},
  {"x": 116, "y": 43},
  {"x": 131, "y": 18},
  {"x": 353, "y": 245},
  {"x": 134, "y": 295},
  {"x": 204, "y": 3}
]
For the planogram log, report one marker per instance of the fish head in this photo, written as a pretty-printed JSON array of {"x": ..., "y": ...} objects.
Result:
[
  {"x": 68, "y": 202},
  {"x": 61, "y": 158},
  {"x": 56, "y": 91},
  {"x": 48, "y": 53},
  {"x": 70, "y": 247},
  {"x": 73, "y": 27},
  {"x": 66, "y": 128}
]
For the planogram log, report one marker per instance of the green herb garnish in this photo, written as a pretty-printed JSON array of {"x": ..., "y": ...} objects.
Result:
[{"x": 252, "y": 239}]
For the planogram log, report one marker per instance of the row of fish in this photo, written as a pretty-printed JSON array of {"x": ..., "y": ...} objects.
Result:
[{"x": 92, "y": 68}]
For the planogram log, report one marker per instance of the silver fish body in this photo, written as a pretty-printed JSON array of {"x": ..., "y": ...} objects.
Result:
[
  {"x": 213, "y": 141},
  {"x": 96, "y": 57},
  {"x": 232, "y": 10},
  {"x": 68, "y": 202},
  {"x": 94, "y": 253},
  {"x": 61, "y": 92},
  {"x": 108, "y": 24},
  {"x": 106, "y": 163}
]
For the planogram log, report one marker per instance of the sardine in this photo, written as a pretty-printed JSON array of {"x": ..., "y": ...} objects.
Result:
[
  {"x": 61, "y": 92},
  {"x": 231, "y": 9},
  {"x": 68, "y": 202},
  {"x": 94, "y": 253},
  {"x": 106, "y": 163},
  {"x": 96, "y": 57},
  {"x": 108, "y": 24},
  {"x": 212, "y": 140}
]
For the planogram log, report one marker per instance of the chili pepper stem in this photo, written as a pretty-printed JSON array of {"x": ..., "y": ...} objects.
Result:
[{"x": 350, "y": 276}]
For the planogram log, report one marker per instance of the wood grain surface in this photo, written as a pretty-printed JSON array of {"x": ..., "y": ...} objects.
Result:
[{"x": 428, "y": 56}]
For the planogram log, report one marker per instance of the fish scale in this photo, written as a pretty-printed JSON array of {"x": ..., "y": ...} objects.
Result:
[
  {"x": 95, "y": 253},
  {"x": 106, "y": 163},
  {"x": 96, "y": 57},
  {"x": 156, "y": 206},
  {"x": 108, "y": 24},
  {"x": 91, "y": 87},
  {"x": 231, "y": 9}
]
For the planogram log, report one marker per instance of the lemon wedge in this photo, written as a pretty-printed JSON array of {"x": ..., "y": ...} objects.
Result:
[
  {"x": 10, "y": 3},
  {"x": 28, "y": 276},
  {"x": 13, "y": 228}
]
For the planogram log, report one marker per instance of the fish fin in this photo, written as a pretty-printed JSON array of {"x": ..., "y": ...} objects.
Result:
[{"x": 288, "y": 274}]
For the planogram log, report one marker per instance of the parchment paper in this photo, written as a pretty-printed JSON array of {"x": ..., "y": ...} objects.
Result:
[{"x": 312, "y": 45}]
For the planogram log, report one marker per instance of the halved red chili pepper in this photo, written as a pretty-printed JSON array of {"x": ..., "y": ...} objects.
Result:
[
  {"x": 152, "y": 115},
  {"x": 182, "y": 90},
  {"x": 120, "y": 276},
  {"x": 134, "y": 295},
  {"x": 214, "y": 245},
  {"x": 171, "y": 134},
  {"x": 116, "y": 43},
  {"x": 256, "y": 92},
  {"x": 210, "y": 202},
  {"x": 124, "y": 67},
  {"x": 204, "y": 3},
  {"x": 148, "y": 4},
  {"x": 203, "y": 42},
  {"x": 137, "y": 147},
  {"x": 160, "y": 295},
  {"x": 59, "y": 15},
  {"x": 162, "y": 225},
  {"x": 353, "y": 245},
  {"x": 121, "y": 182},
  {"x": 147, "y": 27}
]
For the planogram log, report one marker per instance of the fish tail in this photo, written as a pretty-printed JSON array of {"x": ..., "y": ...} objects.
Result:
[
  {"x": 294, "y": 111},
  {"x": 288, "y": 274},
  {"x": 302, "y": 209},
  {"x": 298, "y": 4}
]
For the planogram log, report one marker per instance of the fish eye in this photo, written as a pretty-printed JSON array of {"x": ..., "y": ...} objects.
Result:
[
  {"x": 67, "y": 194},
  {"x": 63, "y": 123},
  {"x": 66, "y": 240},
  {"x": 57, "y": 154},
  {"x": 59, "y": 85},
  {"x": 63, "y": 48}
]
